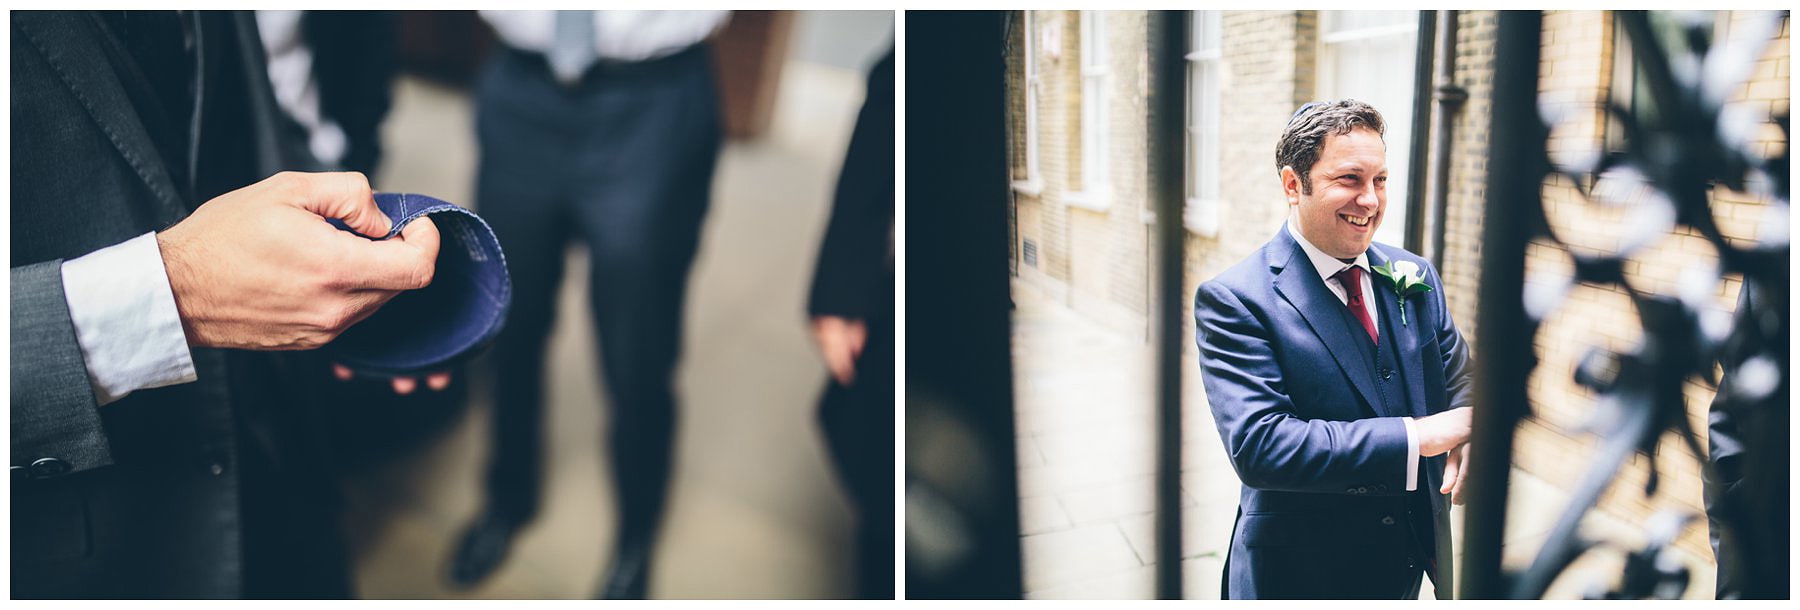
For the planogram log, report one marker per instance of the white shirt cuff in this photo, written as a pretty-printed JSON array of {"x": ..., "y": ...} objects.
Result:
[
  {"x": 1412, "y": 454},
  {"x": 125, "y": 319}
]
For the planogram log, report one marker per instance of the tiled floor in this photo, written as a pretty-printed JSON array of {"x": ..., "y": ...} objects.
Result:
[
  {"x": 754, "y": 509},
  {"x": 1085, "y": 440}
]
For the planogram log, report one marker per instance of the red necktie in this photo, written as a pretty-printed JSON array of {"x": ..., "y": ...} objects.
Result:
[{"x": 1351, "y": 278}]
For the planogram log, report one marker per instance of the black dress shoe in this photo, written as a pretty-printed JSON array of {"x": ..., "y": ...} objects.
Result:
[
  {"x": 482, "y": 548},
  {"x": 629, "y": 576}
]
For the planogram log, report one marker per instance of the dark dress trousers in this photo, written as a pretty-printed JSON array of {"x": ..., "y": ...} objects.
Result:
[
  {"x": 855, "y": 279},
  {"x": 622, "y": 161},
  {"x": 1308, "y": 409},
  {"x": 197, "y": 490}
]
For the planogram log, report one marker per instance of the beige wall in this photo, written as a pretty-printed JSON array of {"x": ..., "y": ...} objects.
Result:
[
  {"x": 1093, "y": 260},
  {"x": 1269, "y": 71}
]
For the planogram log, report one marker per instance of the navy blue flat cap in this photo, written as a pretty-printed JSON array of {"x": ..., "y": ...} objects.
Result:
[{"x": 440, "y": 325}]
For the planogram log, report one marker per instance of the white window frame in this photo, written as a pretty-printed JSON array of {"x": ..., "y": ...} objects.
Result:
[
  {"x": 1095, "y": 183},
  {"x": 1205, "y": 60},
  {"x": 1399, "y": 119},
  {"x": 1033, "y": 184}
]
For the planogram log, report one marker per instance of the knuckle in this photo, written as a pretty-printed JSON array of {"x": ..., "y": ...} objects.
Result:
[
  {"x": 293, "y": 184},
  {"x": 329, "y": 320},
  {"x": 313, "y": 340},
  {"x": 356, "y": 183},
  {"x": 423, "y": 274}
]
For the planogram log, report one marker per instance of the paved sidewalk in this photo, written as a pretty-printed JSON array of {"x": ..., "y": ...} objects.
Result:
[
  {"x": 1086, "y": 442},
  {"x": 1085, "y": 430}
]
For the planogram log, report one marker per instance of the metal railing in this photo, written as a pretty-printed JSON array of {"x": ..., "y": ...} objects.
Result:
[{"x": 1694, "y": 142}]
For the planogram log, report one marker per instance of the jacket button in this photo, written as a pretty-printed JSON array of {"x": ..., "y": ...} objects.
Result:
[
  {"x": 213, "y": 463},
  {"x": 48, "y": 467},
  {"x": 1386, "y": 373},
  {"x": 1387, "y": 520}
]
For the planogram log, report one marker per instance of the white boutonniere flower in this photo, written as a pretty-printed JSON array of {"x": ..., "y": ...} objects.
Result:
[{"x": 1406, "y": 280}]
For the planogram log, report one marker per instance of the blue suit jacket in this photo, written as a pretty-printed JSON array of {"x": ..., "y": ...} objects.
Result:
[{"x": 1323, "y": 512}]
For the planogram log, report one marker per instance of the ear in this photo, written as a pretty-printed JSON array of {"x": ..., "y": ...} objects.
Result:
[{"x": 1290, "y": 184}]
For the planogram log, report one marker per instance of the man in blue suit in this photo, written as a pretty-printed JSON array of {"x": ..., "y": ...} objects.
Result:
[{"x": 1341, "y": 394}]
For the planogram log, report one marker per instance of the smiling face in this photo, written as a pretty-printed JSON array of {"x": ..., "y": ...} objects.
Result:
[{"x": 1348, "y": 194}]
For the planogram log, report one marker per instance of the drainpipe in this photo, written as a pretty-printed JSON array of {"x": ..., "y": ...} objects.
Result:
[{"x": 1450, "y": 98}]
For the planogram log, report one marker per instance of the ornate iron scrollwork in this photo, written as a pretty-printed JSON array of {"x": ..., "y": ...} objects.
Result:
[{"x": 1695, "y": 141}]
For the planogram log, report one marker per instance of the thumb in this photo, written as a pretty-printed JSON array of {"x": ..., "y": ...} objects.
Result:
[
  {"x": 344, "y": 196},
  {"x": 858, "y": 335},
  {"x": 1452, "y": 471}
]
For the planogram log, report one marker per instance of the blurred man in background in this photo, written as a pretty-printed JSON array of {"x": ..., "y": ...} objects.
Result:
[
  {"x": 852, "y": 309},
  {"x": 602, "y": 127}
]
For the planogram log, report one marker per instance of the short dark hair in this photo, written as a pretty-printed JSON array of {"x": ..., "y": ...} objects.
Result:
[{"x": 1306, "y": 132}]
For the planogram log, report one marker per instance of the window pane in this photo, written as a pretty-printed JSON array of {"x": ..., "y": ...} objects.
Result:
[
  {"x": 1377, "y": 70},
  {"x": 1333, "y": 22}
]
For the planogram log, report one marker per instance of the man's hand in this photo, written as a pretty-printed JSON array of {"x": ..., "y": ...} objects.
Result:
[
  {"x": 1443, "y": 432},
  {"x": 840, "y": 342},
  {"x": 259, "y": 268},
  {"x": 402, "y": 385},
  {"x": 1455, "y": 467}
]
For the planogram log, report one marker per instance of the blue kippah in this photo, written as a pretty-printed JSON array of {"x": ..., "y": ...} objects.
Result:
[{"x": 440, "y": 325}]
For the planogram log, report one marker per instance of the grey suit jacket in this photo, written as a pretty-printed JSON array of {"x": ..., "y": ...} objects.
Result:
[{"x": 140, "y": 498}]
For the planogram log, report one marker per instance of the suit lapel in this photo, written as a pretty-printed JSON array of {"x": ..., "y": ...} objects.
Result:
[
  {"x": 1405, "y": 340},
  {"x": 1298, "y": 283},
  {"x": 59, "y": 36}
]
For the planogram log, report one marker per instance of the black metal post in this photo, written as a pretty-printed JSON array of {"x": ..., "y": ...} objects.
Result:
[
  {"x": 959, "y": 461},
  {"x": 1449, "y": 97},
  {"x": 1168, "y": 34},
  {"x": 1516, "y": 168},
  {"x": 1417, "y": 230}
]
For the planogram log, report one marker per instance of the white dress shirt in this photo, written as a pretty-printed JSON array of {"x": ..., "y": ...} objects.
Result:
[
  {"x": 125, "y": 319},
  {"x": 618, "y": 35},
  {"x": 1328, "y": 267},
  {"x": 290, "y": 64}
]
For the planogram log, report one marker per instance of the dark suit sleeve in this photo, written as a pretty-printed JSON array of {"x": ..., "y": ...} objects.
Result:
[
  {"x": 1459, "y": 366},
  {"x": 54, "y": 413},
  {"x": 1722, "y": 483},
  {"x": 1271, "y": 447},
  {"x": 853, "y": 258}
]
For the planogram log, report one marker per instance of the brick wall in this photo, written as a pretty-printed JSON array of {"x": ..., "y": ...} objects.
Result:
[
  {"x": 1467, "y": 192},
  {"x": 1269, "y": 66},
  {"x": 1094, "y": 260},
  {"x": 1269, "y": 71},
  {"x": 1109, "y": 246},
  {"x": 1042, "y": 217}
]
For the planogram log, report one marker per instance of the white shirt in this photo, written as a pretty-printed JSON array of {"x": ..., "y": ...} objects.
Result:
[
  {"x": 1328, "y": 267},
  {"x": 290, "y": 65},
  {"x": 618, "y": 35},
  {"x": 125, "y": 319}
]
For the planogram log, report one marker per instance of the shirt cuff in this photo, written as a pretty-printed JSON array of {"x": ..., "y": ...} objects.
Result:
[
  {"x": 125, "y": 319},
  {"x": 1412, "y": 454}
]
